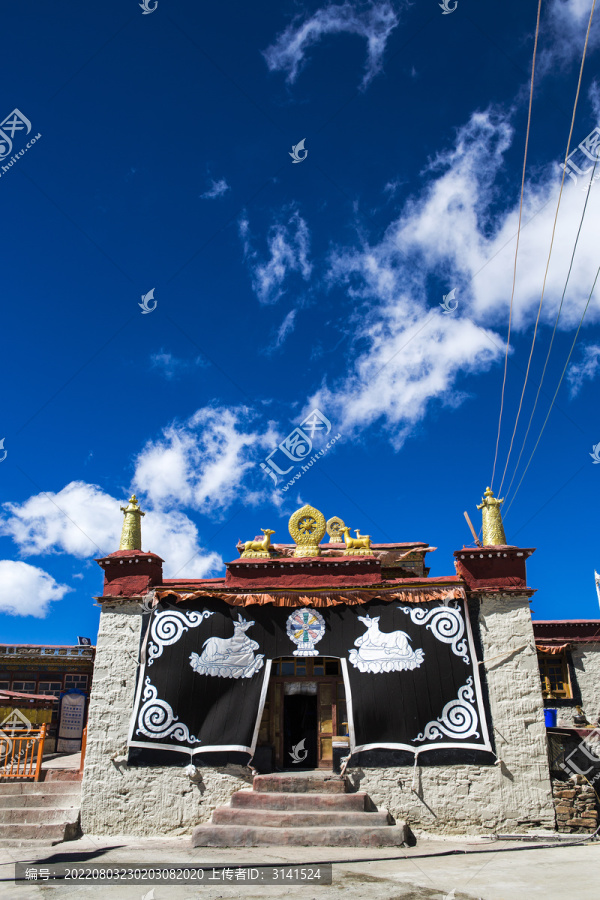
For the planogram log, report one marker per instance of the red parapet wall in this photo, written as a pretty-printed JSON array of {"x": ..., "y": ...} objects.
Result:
[
  {"x": 494, "y": 568},
  {"x": 130, "y": 573},
  {"x": 305, "y": 572}
]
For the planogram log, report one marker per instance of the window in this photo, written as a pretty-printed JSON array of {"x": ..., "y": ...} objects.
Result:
[
  {"x": 76, "y": 681},
  {"x": 289, "y": 667},
  {"x": 554, "y": 673},
  {"x": 24, "y": 687},
  {"x": 50, "y": 688},
  {"x": 306, "y": 666},
  {"x": 326, "y": 666},
  {"x": 4, "y": 685}
]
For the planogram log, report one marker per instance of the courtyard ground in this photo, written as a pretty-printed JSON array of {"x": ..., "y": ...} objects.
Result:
[{"x": 458, "y": 869}]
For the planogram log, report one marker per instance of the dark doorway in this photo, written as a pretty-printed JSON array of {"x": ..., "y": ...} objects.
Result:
[{"x": 300, "y": 731}]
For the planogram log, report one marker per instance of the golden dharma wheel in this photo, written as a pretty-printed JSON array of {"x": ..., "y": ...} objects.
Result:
[
  {"x": 307, "y": 527},
  {"x": 334, "y": 529}
]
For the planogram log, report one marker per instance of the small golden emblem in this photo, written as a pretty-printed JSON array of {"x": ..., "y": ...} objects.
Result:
[{"x": 334, "y": 529}]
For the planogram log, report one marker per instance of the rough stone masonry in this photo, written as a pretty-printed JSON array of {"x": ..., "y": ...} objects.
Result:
[{"x": 513, "y": 795}]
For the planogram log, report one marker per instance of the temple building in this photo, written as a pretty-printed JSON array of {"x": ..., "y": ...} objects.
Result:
[{"x": 321, "y": 664}]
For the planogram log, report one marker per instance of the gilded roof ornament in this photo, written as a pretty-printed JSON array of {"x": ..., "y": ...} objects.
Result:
[
  {"x": 131, "y": 535},
  {"x": 334, "y": 529},
  {"x": 259, "y": 548},
  {"x": 493, "y": 529},
  {"x": 307, "y": 527},
  {"x": 358, "y": 546}
]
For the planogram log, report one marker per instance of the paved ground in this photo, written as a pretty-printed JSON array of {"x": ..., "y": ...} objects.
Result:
[{"x": 471, "y": 868}]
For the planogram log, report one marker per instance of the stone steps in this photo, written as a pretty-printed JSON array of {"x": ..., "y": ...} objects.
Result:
[
  {"x": 297, "y": 818},
  {"x": 20, "y": 835},
  {"x": 37, "y": 798},
  {"x": 310, "y": 802},
  {"x": 309, "y": 809},
  {"x": 36, "y": 815},
  {"x": 300, "y": 782},
  {"x": 32, "y": 812},
  {"x": 29, "y": 787}
]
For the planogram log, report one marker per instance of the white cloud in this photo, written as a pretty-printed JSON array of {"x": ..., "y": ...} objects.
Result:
[
  {"x": 374, "y": 21},
  {"x": 288, "y": 246},
  {"x": 82, "y": 520},
  {"x": 408, "y": 352},
  {"x": 216, "y": 189},
  {"x": 566, "y": 26},
  {"x": 27, "y": 590},
  {"x": 201, "y": 463},
  {"x": 586, "y": 369}
]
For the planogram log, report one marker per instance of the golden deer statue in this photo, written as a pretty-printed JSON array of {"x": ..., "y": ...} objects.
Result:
[
  {"x": 358, "y": 546},
  {"x": 259, "y": 548}
]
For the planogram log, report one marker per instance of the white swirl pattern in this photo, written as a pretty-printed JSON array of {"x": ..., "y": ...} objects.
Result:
[
  {"x": 157, "y": 720},
  {"x": 446, "y": 624},
  {"x": 168, "y": 626},
  {"x": 458, "y": 720}
]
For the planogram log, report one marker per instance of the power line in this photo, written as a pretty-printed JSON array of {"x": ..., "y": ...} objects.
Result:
[
  {"x": 557, "y": 388},
  {"x": 537, "y": 30},
  {"x": 551, "y": 244},
  {"x": 554, "y": 331}
]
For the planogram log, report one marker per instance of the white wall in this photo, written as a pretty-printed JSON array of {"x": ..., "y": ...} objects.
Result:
[{"x": 162, "y": 800}]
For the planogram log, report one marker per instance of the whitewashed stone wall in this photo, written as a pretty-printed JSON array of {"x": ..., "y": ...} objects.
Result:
[
  {"x": 586, "y": 662},
  {"x": 514, "y": 795},
  {"x": 116, "y": 799}
]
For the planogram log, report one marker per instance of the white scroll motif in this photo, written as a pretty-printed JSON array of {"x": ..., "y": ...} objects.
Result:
[
  {"x": 168, "y": 626},
  {"x": 380, "y": 651},
  {"x": 446, "y": 624},
  {"x": 157, "y": 720},
  {"x": 229, "y": 657},
  {"x": 458, "y": 718}
]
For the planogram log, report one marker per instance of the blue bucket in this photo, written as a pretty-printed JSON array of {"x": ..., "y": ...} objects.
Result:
[{"x": 550, "y": 716}]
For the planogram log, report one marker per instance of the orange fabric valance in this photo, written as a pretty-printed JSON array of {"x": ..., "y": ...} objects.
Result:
[{"x": 320, "y": 599}]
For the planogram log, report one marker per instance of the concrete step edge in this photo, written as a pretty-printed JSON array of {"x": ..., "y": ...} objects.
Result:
[
  {"x": 323, "y": 819},
  {"x": 28, "y": 787},
  {"x": 235, "y": 836}
]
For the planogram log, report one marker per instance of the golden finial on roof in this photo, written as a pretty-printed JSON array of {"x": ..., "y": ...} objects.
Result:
[
  {"x": 493, "y": 529},
  {"x": 131, "y": 535}
]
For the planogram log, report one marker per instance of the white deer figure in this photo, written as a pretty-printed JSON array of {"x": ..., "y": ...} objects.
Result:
[
  {"x": 232, "y": 657},
  {"x": 383, "y": 652}
]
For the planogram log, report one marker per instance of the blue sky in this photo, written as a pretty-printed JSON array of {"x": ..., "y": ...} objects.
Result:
[{"x": 164, "y": 164}]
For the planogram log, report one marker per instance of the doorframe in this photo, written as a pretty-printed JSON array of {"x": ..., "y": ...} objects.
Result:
[{"x": 276, "y": 712}]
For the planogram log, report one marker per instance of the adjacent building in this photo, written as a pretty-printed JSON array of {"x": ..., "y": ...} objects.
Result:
[{"x": 43, "y": 670}]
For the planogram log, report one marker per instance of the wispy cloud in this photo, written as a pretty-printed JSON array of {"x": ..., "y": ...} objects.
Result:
[
  {"x": 216, "y": 189},
  {"x": 564, "y": 29},
  {"x": 407, "y": 353},
  {"x": 288, "y": 245},
  {"x": 173, "y": 366},
  {"x": 286, "y": 327},
  {"x": 201, "y": 463},
  {"x": 28, "y": 590},
  {"x": 374, "y": 21},
  {"x": 586, "y": 369}
]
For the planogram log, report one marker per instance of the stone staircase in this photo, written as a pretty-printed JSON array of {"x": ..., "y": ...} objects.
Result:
[
  {"x": 308, "y": 809},
  {"x": 39, "y": 812}
]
